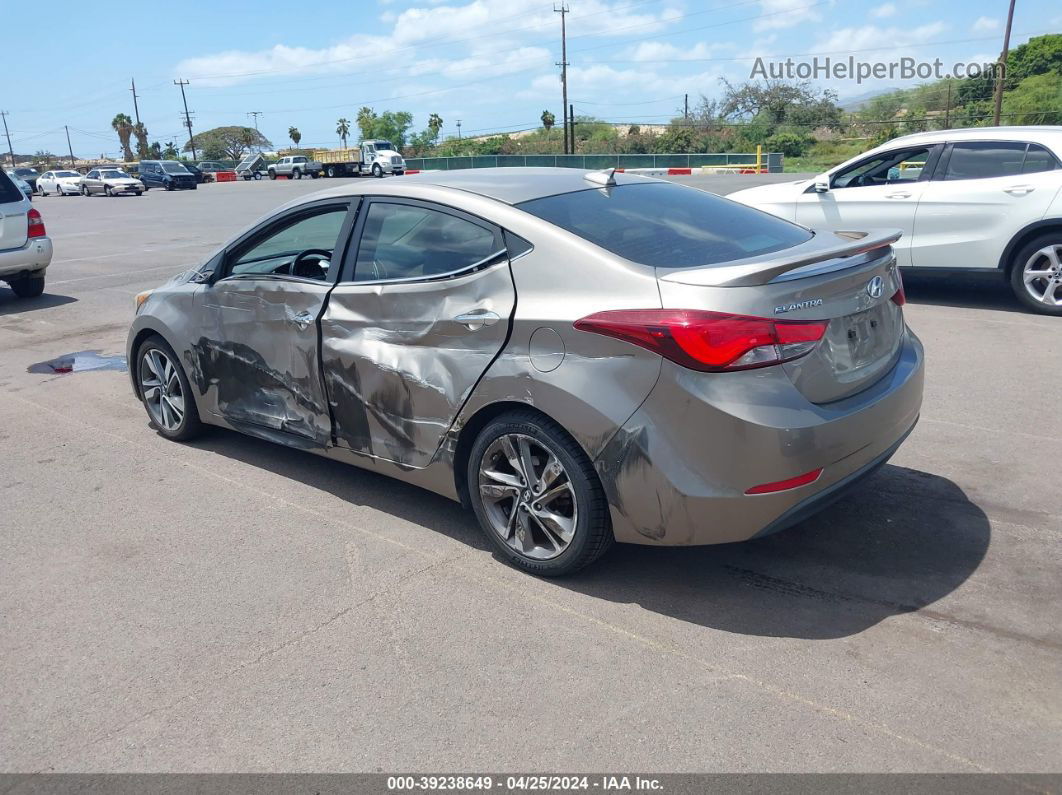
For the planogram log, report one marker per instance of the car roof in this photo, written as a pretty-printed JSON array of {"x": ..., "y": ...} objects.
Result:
[
  {"x": 509, "y": 185},
  {"x": 1031, "y": 133}
]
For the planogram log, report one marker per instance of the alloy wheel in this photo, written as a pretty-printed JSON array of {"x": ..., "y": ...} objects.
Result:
[
  {"x": 1042, "y": 275},
  {"x": 528, "y": 497},
  {"x": 160, "y": 385}
]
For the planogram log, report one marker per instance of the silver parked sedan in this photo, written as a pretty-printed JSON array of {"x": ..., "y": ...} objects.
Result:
[
  {"x": 579, "y": 357},
  {"x": 110, "y": 182}
]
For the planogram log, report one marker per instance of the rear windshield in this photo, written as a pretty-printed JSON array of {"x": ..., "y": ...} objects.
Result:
[
  {"x": 667, "y": 225},
  {"x": 9, "y": 192}
]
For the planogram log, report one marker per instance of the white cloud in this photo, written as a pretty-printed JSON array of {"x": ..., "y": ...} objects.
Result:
[
  {"x": 873, "y": 37},
  {"x": 662, "y": 51},
  {"x": 779, "y": 14},
  {"x": 984, "y": 24},
  {"x": 883, "y": 11}
]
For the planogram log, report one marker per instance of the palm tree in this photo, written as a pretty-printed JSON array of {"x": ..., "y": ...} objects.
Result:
[
  {"x": 435, "y": 124},
  {"x": 294, "y": 135},
  {"x": 142, "y": 148},
  {"x": 548, "y": 120},
  {"x": 123, "y": 125},
  {"x": 343, "y": 130}
]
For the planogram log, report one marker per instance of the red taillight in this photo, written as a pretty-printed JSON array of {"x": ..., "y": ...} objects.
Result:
[
  {"x": 783, "y": 485},
  {"x": 36, "y": 223},
  {"x": 711, "y": 342},
  {"x": 899, "y": 297}
]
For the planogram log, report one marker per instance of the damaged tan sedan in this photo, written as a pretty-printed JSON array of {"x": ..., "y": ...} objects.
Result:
[{"x": 581, "y": 358}]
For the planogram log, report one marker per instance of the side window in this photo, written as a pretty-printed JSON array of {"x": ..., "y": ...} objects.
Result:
[
  {"x": 888, "y": 168},
  {"x": 984, "y": 160},
  {"x": 312, "y": 236},
  {"x": 94, "y": 175},
  {"x": 1038, "y": 159},
  {"x": 402, "y": 241}
]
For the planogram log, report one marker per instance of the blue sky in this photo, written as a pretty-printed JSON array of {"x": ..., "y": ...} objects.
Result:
[{"x": 489, "y": 63}]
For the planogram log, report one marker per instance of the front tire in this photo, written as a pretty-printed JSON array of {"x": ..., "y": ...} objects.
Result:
[
  {"x": 536, "y": 495},
  {"x": 377, "y": 171},
  {"x": 1036, "y": 274},
  {"x": 165, "y": 391},
  {"x": 28, "y": 286}
]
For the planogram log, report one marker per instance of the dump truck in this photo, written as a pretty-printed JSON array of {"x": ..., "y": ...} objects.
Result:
[{"x": 376, "y": 157}]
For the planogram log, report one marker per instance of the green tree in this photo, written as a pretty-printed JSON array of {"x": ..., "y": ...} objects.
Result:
[
  {"x": 229, "y": 143},
  {"x": 343, "y": 130},
  {"x": 294, "y": 135},
  {"x": 435, "y": 124},
  {"x": 548, "y": 120},
  {"x": 1036, "y": 100},
  {"x": 123, "y": 125},
  {"x": 365, "y": 120},
  {"x": 170, "y": 152},
  {"x": 141, "y": 133}
]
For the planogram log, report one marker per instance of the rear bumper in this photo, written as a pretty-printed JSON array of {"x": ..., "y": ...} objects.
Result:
[
  {"x": 676, "y": 473},
  {"x": 30, "y": 260}
]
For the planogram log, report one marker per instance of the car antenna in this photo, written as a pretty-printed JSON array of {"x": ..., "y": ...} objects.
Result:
[{"x": 604, "y": 177}]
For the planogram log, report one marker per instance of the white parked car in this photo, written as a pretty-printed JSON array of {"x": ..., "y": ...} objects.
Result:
[
  {"x": 63, "y": 183},
  {"x": 980, "y": 199},
  {"x": 25, "y": 248}
]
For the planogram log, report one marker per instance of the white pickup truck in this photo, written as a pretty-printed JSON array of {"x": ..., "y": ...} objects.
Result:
[
  {"x": 376, "y": 157},
  {"x": 295, "y": 167}
]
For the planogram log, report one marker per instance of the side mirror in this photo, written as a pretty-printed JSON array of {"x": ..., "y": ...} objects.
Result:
[{"x": 822, "y": 183}]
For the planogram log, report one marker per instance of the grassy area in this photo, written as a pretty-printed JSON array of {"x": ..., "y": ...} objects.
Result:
[{"x": 825, "y": 155}]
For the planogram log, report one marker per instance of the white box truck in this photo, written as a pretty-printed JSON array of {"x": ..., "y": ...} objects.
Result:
[{"x": 376, "y": 157}]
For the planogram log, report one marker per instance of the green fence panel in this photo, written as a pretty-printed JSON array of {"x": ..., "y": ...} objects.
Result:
[
  {"x": 696, "y": 161},
  {"x": 600, "y": 161},
  {"x": 549, "y": 161},
  {"x": 458, "y": 162},
  {"x": 505, "y": 161},
  {"x": 771, "y": 161},
  {"x": 485, "y": 161},
  {"x": 672, "y": 161},
  {"x": 636, "y": 161}
]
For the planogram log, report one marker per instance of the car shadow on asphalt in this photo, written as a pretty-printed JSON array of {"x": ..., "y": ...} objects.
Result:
[
  {"x": 899, "y": 542},
  {"x": 966, "y": 290},
  {"x": 11, "y": 304}
]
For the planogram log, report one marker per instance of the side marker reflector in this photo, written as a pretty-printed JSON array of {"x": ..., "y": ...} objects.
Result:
[{"x": 783, "y": 485}]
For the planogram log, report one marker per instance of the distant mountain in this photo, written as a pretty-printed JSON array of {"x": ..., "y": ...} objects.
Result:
[{"x": 858, "y": 101}]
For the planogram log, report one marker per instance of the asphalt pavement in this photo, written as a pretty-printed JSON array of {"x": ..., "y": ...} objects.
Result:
[{"x": 228, "y": 605}]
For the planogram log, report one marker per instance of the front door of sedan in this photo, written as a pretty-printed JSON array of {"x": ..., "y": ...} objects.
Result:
[
  {"x": 422, "y": 309},
  {"x": 256, "y": 359},
  {"x": 881, "y": 191},
  {"x": 91, "y": 182},
  {"x": 982, "y": 194}
]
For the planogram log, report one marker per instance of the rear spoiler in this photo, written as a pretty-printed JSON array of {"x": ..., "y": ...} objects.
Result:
[{"x": 824, "y": 246}]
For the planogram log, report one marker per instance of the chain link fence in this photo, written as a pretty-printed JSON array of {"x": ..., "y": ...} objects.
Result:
[{"x": 771, "y": 161}]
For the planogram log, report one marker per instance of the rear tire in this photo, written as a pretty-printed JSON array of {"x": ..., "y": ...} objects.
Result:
[
  {"x": 1040, "y": 293},
  {"x": 272, "y": 174},
  {"x": 159, "y": 391},
  {"x": 547, "y": 513},
  {"x": 28, "y": 286},
  {"x": 85, "y": 190}
]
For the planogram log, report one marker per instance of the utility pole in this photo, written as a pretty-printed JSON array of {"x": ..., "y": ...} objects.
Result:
[
  {"x": 256, "y": 114},
  {"x": 187, "y": 117},
  {"x": 10, "y": 151},
  {"x": 136, "y": 109},
  {"x": 68, "y": 146},
  {"x": 947, "y": 109},
  {"x": 458, "y": 129},
  {"x": 1001, "y": 69},
  {"x": 571, "y": 126},
  {"x": 563, "y": 11},
  {"x": 686, "y": 107}
]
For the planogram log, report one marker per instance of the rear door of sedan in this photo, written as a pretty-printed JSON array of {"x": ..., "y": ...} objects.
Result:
[{"x": 422, "y": 308}]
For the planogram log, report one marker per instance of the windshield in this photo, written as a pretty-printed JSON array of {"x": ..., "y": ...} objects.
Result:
[
  {"x": 114, "y": 174},
  {"x": 174, "y": 168},
  {"x": 383, "y": 145},
  {"x": 67, "y": 174},
  {"x": 667, "y": 225},
  {"x": 27, "y": 172}
]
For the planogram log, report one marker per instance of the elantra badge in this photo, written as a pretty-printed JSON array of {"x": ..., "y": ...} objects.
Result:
[
  {"x": 876, "y": 287},
  {"x": 813, "y": 302}
]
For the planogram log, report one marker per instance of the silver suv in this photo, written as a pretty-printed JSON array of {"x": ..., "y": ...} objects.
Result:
[{"x": 25, "y": 248}]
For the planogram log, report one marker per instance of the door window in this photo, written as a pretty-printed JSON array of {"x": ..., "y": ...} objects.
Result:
[
  {"x": 1038, "y": 159},
  {"x": 404, "y": 241},
  {"x": 985, "y": 159},
  {"x": 887, "y": 168},
  {"x": 301, "y": 247}
]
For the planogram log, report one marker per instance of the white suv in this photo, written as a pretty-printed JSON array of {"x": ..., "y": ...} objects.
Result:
[
  {"x": 986, "y": 198},
  {"x": 25, "y": 249}
]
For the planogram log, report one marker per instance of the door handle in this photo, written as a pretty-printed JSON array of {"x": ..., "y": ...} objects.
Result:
[
  {"x": 898, "y": 195},
  {"x": 301, "y": 320},
  {"x": 477, "y": 319},
  {"x": 1018, "y": 190}
]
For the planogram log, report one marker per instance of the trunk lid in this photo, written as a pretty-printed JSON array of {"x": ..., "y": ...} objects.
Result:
[
  {"x": 14, "y": 226},
  {"x": 848, "y": 278}
]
